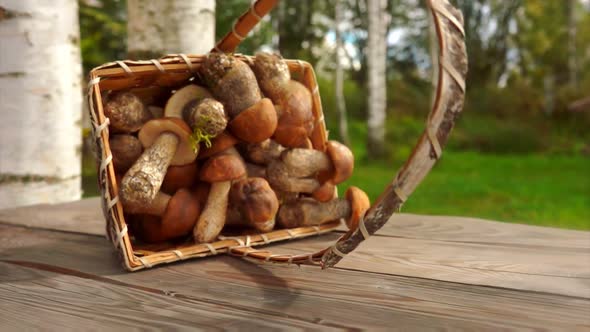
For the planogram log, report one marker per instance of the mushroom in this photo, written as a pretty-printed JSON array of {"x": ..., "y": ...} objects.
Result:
[
  {"x": 219, "y": 170},
  {"x": 309, "y": 212},
  {"x": 293, "y": 102},
  {"x": 219, "y": 144},
  {"x": 178, "y": 213},
  {"x": 206, "y": 118},
  {"x": 125, "y": 150},
  {"x": 297, "y": 170},
  {"x": 126, "y": 113},
  {"x": 255, "y": 171},
  {"x": 196, "y": 106},
  {"x": 253, "y": 118},
  {"x": 264, "y": 152},
  {"x": 152, "y": 95},
  {"x": 256, "y": 123},
  {"x": 175, "y": 105},
  {"x": 157, "y": 111},
  {"x": 179, "y": 177},
  {"x": 166, "y": 142},
  {"x": 255, "y": 202}
]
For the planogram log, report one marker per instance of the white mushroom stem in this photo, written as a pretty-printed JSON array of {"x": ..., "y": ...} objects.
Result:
[
  {"x": 305, "y": 162},
  {"x": 213, "y": 217},
  {"x": 280, "y": 179},
  {"x": 308, "y": 212},
  {"x": 143, "y": 180},
  {"x": 158, "y": 206}
]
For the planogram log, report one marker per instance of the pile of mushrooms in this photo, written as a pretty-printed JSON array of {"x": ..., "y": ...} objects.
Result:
[{"x": 231, "y": 149}]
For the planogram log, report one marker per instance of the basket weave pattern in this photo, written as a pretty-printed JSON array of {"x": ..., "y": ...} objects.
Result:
[{"x": 175, "y": 70}]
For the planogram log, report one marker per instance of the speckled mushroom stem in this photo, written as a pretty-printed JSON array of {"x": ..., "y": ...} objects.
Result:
[
  {"x": 305, "y": 162},
  {"x": 296, "y": 170},
  {"x": 143, "y": 180},
  {"x": 308, "y": 212}
]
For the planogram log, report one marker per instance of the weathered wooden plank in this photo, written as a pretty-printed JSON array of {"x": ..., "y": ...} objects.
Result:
[
  {"x": 44, "y": 300},
  {"x": 337, "y": 297},
  {"x": 84, "y": 216},
  {"x": 563, "y": 271},
  {"x": 462, "y": 229},
  {"x": 446, "y": 248}
]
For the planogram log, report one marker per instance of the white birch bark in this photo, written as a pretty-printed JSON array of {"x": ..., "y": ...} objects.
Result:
[
  {"x": 155, "y": 28},
  {"x": 339, "y": 75},
  {"x": 40, "y": 102},
  {"x": 376, "y": 61}
]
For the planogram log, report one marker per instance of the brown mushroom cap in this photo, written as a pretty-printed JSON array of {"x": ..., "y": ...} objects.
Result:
[
  {"x": 291, "y": 136},
  {"x": 232, "y": 81},
  {"x": 126, "y": 112},
  {"x": 176, "y": 103},
  {"x": 219, "y": 144},
  {"x": 152, "y": 95},
  {"x": 272, "y": 73},
  {"x": 359, "y": 204},
  {"x": 256, "y": 123},
  {"x": 181, "y": 213},
  {"x": 224, "y": 167},
  {"x": 325, "y": 192},
  {"x": 342, "y": 161},
  {"x": 179, "y": 177},
  {"x": 295, "y": 116},
  {"x": 255, "y": 201},
  {"x": 125, "y": 150},
  {"x": 178, "y": 220},
  {"x": 152, "y": 130}
]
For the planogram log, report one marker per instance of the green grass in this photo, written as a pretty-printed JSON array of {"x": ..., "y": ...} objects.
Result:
[{"x": 530, "y": 189}]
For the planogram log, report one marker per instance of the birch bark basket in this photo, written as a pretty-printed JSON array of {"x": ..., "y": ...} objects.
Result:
[{"x": 41, "y": 102}]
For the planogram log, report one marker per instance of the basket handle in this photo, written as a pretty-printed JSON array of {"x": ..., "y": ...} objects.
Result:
[
  {"x": 243, "y": 25},
  {"x": 449, "y": 93}
]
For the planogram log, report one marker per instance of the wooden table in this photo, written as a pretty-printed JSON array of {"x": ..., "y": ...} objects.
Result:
[{"x": 419, "y": 273}]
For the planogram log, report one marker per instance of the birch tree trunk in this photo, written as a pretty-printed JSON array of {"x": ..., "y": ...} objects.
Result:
[
  {"x": 40, "y": 102},
  {"x": 339, "y": 75},
  {"x": 155, "y": 28},
  {"x": 376, "y": 61}
]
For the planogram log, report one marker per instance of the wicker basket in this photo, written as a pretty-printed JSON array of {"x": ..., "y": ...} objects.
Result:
[{"x": 175, "y": 70}]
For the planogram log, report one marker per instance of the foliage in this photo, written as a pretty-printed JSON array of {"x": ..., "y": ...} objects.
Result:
[{"x": 103, "y": 31}]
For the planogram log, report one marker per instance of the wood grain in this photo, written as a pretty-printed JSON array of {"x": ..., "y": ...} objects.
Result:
[
  {"x": 564, "y": 271},
  {"x": 337, "y": 298},
  {"x": 462, "y": 229},
  {"x": 465, "y": 250},
  {"x": 45, "y": 300},
  {"x": 84, "y": 216}
]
